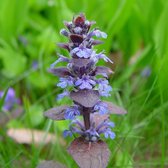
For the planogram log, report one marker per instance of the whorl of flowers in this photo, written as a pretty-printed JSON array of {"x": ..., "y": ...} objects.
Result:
[{"x": 83, "y": 81}]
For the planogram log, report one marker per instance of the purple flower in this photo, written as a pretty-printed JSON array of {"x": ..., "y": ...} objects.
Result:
[
  {"x": 89, "y": 82},
  {"x": 109, "y": 134},
  {"x": 64, "y": 32},
  {"x": 82, "y": 52},
  {"x": 99, "y": 34},
  {"x": 62, "y": 95},
  {"x": 101, "y": 107},
  {"x": 71, "y": 112},
  {"x": 93, "y": 133},
  {"x": 104, "y": 88},
  {"x": 65, "y": 82},
  {"x": 105, "y": 128},
  {"x": 67, "y": 133},
  {"x": 10, "y": 99},
  {"x": 85, "y": 82},
  {"x": 146, "y": 72},
  {"x": 104, "y": 57},
  {"x": 35, "y": 64},
  {"x": 77, "y": 30}
]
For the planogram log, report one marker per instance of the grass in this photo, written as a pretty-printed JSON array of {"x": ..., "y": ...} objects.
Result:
[{"x": 137, "y": 38}]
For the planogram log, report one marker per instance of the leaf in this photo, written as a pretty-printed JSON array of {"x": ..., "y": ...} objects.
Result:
[
  {"x": 161, "y": 33},
  {"x": 64, "y": 45},
  {"x": 50, "y": 164},
  {"x": 56, "y": 113},
  {"x": 11, "y": 67},
  {"x": 103, "y": 70},
  {"x": 61, "y": 72},
  {"x": 114, "y": 109},
  {"x": 43, "y": 79},
  {"x": 120, "y": 16},
  {"x": 97, "y": 42},
  {"x": 4, "y": 118},
  {"x": 35, "y": 115},
  {"x": 95, "y": 157},
  {"x": 82, "y": 66},
  {"x": 86, "y": 98},
  {"x": 13, "y": 16},
  {"x": 80, "y": 20},
  {"x": 29, "y": 136},
  {"x": 99, "y": 118},
  {"x": 76, "y": 38},
  {"x": 80, "y": 62}
]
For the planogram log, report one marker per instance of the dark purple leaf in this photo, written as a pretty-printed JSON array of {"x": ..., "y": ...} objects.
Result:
[
  {"x": 80, "y": 20},
  {"x": 86, "y": 98},
  {"x": 97, "y": 156},
  {"x": 103, "y": 70},
  {"x": 6, "y": 117},
  {"x": 114, "y": 109},
  {"x": 56, "y": 113},
  {"x": 76, "y": 38},
  {"x": 64, "y": 45},
  {"x": 50, "y": 164},
  {"x": 97, "y": 42},
  {"x": 61, "y": 72}
]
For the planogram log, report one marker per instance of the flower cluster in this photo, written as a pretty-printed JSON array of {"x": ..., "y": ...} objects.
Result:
[
  {"x": 82, "y": 80},
  {"x": 93, "y": 133}
]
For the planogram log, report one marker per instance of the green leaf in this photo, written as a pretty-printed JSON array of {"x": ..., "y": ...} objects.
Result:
[
  {"x": 36, "y": 115},
  {"x": 13, "y": 15},
  {"x": 118, "y": 20},
  {"x": 13, "y": 62}
]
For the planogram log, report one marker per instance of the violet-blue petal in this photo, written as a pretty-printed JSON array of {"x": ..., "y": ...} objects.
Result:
[
  {"x": 78, "y": 82},
  {"x": 101, "y": 107},
  {"x": 85, "y": 85},
  {"x": 109, "y": 134},
  {"x": 10, "y": 99},
  {"x": 78, "y": 123},
  {"x": 111, "y": 124},
  {"x": 82, "y": 52},
  {"x": 77, "y": 30},
  {"x": 71, "y": 112},
  {"x": 64, "y": 82},
  {"x": 67, "y": 133},
  {"x": 63, "y": 94},
  {"x": 104, "y": 57},
  {"x": 146, "y": 72},
  {"x": 60, "y": 59},
  {"x": 85, "y": 82},
  {"x": 76, "y": 130},
  {"x": 104, "y": 88},
  {"x": 99, "y": 34},
  {"x": 64, "y": 32}
]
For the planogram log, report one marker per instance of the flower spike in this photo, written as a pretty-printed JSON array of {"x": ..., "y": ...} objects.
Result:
[{"x": 85, "y": 84}]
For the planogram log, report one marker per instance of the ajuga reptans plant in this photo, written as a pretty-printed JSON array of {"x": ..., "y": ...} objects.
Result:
[{"x": 84, "y": 83}]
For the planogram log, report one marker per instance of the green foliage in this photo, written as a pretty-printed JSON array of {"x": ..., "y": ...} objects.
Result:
[{"x": 137, "y": 38}]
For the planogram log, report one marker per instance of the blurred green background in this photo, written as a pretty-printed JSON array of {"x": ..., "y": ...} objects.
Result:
[{"x": 137, "y": 43}]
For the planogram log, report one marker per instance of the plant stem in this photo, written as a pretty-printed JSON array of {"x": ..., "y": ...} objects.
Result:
[{"x": 86, "y": 117}]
